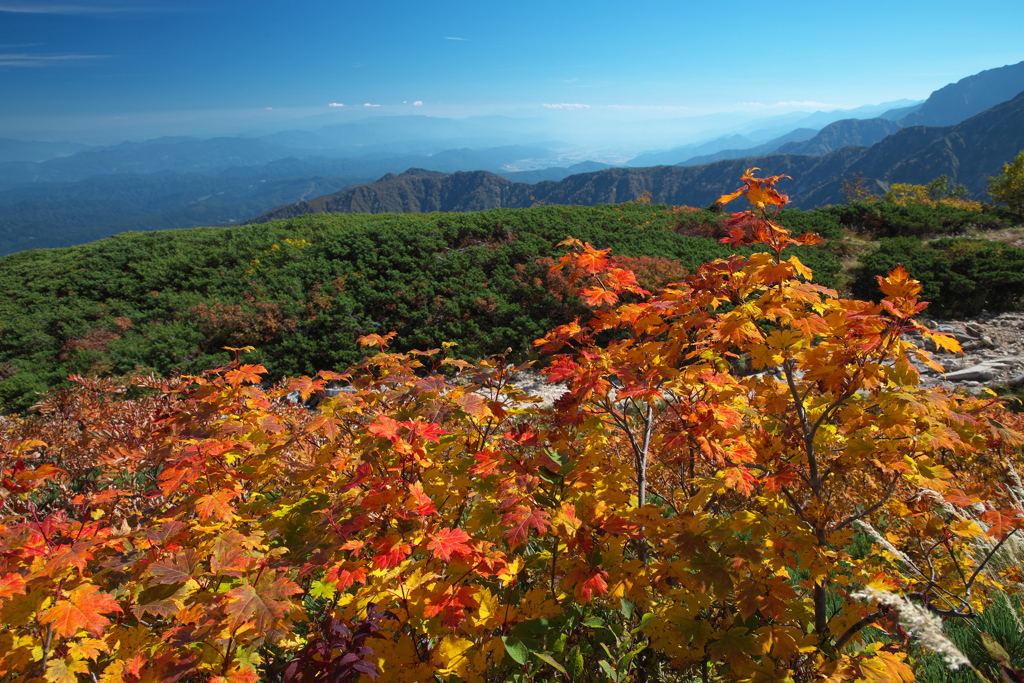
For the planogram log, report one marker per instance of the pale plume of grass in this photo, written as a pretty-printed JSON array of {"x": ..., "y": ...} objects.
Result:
[
  {"x": 1016, "y": 491},
  {"x": 925, "y": 627},
  {"x": 884, "y": 542},
  {"x": 987, "y": 550}
]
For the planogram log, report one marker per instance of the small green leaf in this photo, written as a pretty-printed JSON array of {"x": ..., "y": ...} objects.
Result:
[
  {"x": 559, "y": 644},
  {"x": 594, "y": 622},
  {"x": 628, "y": 659},
  {"x": 644, "y": 620},
  {"x": 548, "y": 476},
  {"x": 516, "y": 649},
  {"x": 576, "y": 663},
  {"x": 559, "y": 458},
  {"x": 545, "y": 657},
  {"x": 543, "y": 500},
  {"x": 627, "y": 607},
  {"x": 612, "y": 674},
  {"x": 527, "y": 630}
]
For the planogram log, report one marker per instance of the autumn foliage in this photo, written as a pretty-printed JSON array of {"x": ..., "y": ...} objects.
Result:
[{"x": 690, "y": 509}]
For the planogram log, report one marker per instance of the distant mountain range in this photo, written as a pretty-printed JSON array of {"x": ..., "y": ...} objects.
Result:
[
  {"x": 59, "y": 194},
  {"x": 946, "y": 106},
  {"x": 17, "y": 150},
  {"x": 765, "y": 141},
  {"x": 232, "y": 182},
  {"x": 968, "y": 153}
]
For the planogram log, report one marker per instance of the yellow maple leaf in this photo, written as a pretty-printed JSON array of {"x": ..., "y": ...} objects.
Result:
[{"x": 452, "y": 656}]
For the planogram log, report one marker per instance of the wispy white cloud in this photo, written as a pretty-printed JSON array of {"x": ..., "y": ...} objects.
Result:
[
  {"x": 25, "y": 59},
  {"x": 335, "y": 104},
  {"x": 38, "y": 7},
  {"x": 454, "y": 38},
  {"x": 656, "y": 107},
  {"x": 367, "y": 104},
  {"x": 791, "y": 103},
  {"x": 567, "y": 105},
  {"x": 418, "y": 103}
]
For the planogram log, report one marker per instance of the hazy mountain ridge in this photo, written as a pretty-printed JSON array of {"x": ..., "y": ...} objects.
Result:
[
  {"x": 175, "y": 182},
  {"x": 968, "y": 97},
  {"x": 798, "y": 135},
  {"x": 34, "y": 150},
  {"x": 765, "y": 140},
  {"x": 56, "y": 214},
  {"x": 949, "y": 105},
  {"x": 553, "y": 173},
  {"x": 860, "y": 132},
  {"x": 968, "y": 153}
]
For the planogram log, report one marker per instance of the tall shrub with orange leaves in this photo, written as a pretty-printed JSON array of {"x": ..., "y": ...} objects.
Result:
[{"x": 670, "y": 517}]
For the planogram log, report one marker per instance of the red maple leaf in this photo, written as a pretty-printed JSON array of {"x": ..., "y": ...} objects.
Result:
[
  {"x": 593, "y": 583},
  {"x": 386, "y": 427},
  {"x": 447, "y": 542},
  {"x": 561, "y": 369},
  {"x": 10, "y": 585},
  {"x": 391, "y": 553},
  {"x": 451, "y": 605},
  {"x": 343, "y": 578},
  {"x": 427, "y": 430},
  {"x": 424, "y": 504},
  {"x": 520, "y": 521}
]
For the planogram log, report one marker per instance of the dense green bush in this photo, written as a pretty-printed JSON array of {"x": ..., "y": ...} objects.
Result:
[
  {"x": 302, "y": 290},
  {"x": 958, "y": 275},
  {"x": 821, "y": 221},
  {"x": 884, "y": 219}
]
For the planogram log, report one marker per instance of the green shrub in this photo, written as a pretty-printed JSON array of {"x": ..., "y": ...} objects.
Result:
[
  {"x": 302, "y": 290},
  {"x": 884, "y": 219},
  {"x": 958, "y": 276}
]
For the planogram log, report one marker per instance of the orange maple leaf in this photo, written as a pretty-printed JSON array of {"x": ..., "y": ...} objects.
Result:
[
  {"x": 385, "y": 427},
  {"x": 216, "y": 506},
  {"x": 264, "y": 605},
  {"x": 598, "y": 296},
  {"x": 380, "y": 341},
  {"x": 11, "y": 585},
  {"x": 250, "y": 374},
  {"x": 246, "y": 674},
  {"x": 83, "y": 608},
  {"x": 592, "y": 260}
]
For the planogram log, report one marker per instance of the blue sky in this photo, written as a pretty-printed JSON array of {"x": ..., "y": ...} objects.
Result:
[{"x": 76, "y": 65}]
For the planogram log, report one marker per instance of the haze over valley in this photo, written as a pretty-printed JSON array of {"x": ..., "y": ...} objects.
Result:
[{"x": 114, "y": 125}]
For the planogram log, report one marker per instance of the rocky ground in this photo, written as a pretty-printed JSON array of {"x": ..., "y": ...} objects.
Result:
[
  {"x": 993, "y": 355},
  {"x": 993, "y": 352}
]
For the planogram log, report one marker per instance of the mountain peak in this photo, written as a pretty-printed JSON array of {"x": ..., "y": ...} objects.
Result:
[{"x": 969, "y": 96}]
